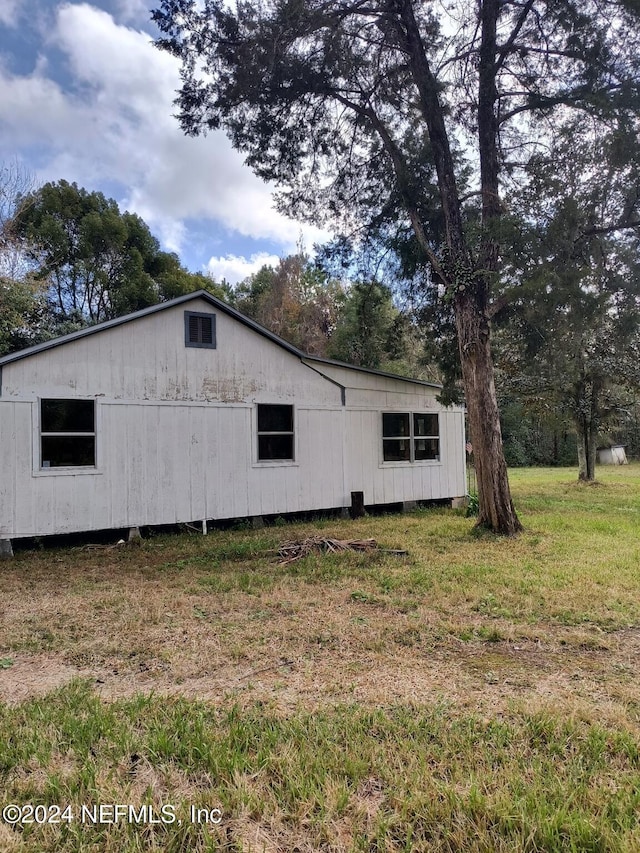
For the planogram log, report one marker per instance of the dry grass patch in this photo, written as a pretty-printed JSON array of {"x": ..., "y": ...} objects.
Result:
[
  {"x": 346, "y": 778},
  {"x": 489, "y": 639},
  {"x": 467, "y": 620}
]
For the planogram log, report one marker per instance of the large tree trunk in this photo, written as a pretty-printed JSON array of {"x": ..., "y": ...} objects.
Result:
[
  {"x": 468, "y": 280},
  {"x": 497, "y": 512},
  {"x": 587, "y": 450},
  {"x": 592, "y": 450},
  {"x": 582, "y": 453},
  {"x": 587, "y": 423}
]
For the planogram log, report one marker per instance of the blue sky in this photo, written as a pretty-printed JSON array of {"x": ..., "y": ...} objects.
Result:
[{"x": 86, "y": 97}]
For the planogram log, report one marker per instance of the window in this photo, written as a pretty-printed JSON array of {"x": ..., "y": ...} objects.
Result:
[
  {"x": 410, "y": 437},
  {"x": 67, "y": 433},
  {"x": 275, "y": 432},
  {"x": 199, "y": 330}
]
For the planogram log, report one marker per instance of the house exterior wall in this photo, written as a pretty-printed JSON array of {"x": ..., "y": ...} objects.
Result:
[
  {"x": 176, "y": 431},
  {"x": 147, "y": 359},
  {"x": 367, "y": 396}
]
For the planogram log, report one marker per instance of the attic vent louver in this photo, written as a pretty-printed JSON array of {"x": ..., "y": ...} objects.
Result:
[{"x": 199, "y": 329}]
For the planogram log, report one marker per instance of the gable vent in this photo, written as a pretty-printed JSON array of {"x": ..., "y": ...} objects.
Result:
[{"x": 200, "y": 329}]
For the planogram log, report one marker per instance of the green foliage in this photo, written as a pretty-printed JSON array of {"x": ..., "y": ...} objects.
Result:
[
  {"x": 96, "y": 261},
  {"x": 22, "y": 313},
  {"x": 296, "y": 301},
  {"x": 570, "y": 343},
  {"x": 302, "y": 92},
  {"x": 473, "y": 506},
  {"x": 535, "y": 437},
  {"x": 370, "y": 332},
  {"x": 357, "y": 322}
]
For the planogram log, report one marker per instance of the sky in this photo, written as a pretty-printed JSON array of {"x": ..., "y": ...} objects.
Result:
[{"x": 86, "y": 97}]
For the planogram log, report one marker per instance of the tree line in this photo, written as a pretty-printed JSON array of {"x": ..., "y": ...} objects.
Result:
[
  {"x": 567, "y": 348},
  {"x": 70, "y": 258}
]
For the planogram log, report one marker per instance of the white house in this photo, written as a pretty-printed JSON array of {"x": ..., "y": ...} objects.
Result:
[{"x": 189, "y": 411}]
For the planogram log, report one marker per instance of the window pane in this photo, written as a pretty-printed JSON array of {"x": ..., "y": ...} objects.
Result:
[
  {"x": 396, "y": 450},
  {"x": 395, "y": 424},
  {"x": 425, "y": 424},
  {"x": 67, "y": 416},
  {"x": 63, "y": 450},
  {"x": 275, "y": 447},
  {"x": 275, "y": 418},
  {"x": 427, "y": 448}
]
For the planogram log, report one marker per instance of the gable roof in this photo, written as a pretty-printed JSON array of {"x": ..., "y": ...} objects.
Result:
[{"x": 220, "y": 306}]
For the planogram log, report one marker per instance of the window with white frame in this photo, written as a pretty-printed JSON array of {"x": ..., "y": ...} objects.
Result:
[
  {"x": 275, "y": 432},
  {"x": 67, "y": 433},
  {"x": 410, "y": 437}
]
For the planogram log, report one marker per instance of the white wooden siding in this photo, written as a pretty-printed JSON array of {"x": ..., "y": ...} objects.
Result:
[
  {"x": 176, "y": 431},
  {"x": 392, "y": 482},
  {"x": 146, "y": 359}
]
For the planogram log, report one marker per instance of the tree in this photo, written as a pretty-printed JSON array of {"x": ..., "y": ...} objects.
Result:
[
  {"x": 296, "y": 301},
  {"x": 573, "y": 339},
  {"x": 16, "y": 184},
  {"x": 353, "y": 107},
  {"x": 22, "y": 313},
  {"x": 22, "y": 302},
  {"x": 371, "y": 331},
  {"x": 98, "y": 263}
]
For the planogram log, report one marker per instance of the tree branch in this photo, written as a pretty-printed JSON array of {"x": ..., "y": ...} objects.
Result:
[
  {"x": 505, "y": 50},
  {"x": 610, "y": 229},
  {"x": 401, "y": 172}
]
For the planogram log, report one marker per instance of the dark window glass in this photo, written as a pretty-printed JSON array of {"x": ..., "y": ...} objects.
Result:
[
  {"x": 396, "y": 450},
  {"x": 275, "y": 418},
  {"x": 199, "y": 329},
  {"x": 67, "y": 416},
  {"x": 427, "y": 448},
  {"x": 67, "y": 430},
  {"x": 395, "y": 425},
  {"x": 275, "y": 432},
  {"x": 68, "y": 450},
  {"x": 275, "y": 446},
  {"x": 410, "y": 437},
  {"x": 425, "y": 424}
]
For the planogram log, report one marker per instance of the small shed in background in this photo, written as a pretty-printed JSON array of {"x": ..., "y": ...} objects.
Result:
[{"x": 614, "y": 455}]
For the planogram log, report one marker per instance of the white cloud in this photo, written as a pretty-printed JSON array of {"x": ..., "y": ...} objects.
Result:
[
  {"x": 235, "y": 268},
  {"x": 115, "y": 124},
  {"x": 133, "y": 10},
  {"x": 9, "y": 12}
]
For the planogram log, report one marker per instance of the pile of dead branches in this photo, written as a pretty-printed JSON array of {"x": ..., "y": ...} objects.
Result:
[{"x": 290, "y": 551}]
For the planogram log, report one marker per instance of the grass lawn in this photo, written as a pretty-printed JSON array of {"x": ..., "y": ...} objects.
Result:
[{"x": 478, "y": 694}]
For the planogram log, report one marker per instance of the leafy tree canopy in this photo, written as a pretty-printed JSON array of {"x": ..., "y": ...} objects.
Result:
[
  {"x": 405, "y": 117},
  {"x": 295, "y": 300},
  {"x": 572, "y": 338},
  {"x": 98, "y": 262}
]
